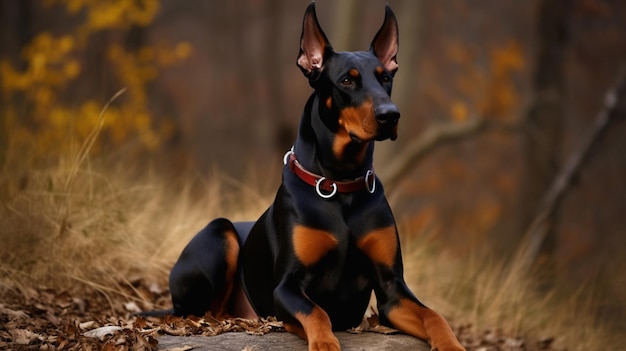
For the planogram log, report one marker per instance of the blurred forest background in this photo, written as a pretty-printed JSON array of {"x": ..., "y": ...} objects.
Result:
[{"x": 211, "y": 85}]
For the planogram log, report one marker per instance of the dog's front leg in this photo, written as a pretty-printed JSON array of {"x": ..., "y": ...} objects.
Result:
[
  {"x": 412, "y": 317},
  {"x": 303, "y": 317},
  {"x": 398, "y": 307}
]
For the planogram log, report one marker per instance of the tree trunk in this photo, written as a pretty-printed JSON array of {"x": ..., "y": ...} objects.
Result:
[
  {"x": 347, "y": 21},
  {"x": 544, "y": 120},
  {"x": 15, "y": 33}
]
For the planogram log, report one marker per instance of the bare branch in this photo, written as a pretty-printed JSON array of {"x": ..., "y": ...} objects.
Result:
[
  {"x": 536, "y": 233},
  {"x": 435, "y": 136}
]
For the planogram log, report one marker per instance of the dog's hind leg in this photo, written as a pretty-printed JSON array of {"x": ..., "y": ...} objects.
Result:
[{"x": 204, "y": 276}]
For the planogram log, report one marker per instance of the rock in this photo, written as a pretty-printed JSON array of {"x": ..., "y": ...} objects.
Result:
[{"x": 283, "y": 341}]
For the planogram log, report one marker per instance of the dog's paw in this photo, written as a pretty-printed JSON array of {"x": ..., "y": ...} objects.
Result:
[
  {"x": 326, "y": 344},
  {"x": 451, "y": 347},
  {"x": 448, "y": 344}
]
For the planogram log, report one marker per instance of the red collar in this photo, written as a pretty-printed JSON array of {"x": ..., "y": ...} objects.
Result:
[{"x": 326, "y": 188}]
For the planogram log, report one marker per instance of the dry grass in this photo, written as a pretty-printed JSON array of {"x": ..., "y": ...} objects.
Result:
[
  {"x": 75, "y": 224},
  {"x": 492, "y": 294},
  {"x": 107, "y": 231}
]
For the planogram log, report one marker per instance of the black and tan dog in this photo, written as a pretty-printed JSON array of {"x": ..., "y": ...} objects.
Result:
[{"x": 329, "y": 239}]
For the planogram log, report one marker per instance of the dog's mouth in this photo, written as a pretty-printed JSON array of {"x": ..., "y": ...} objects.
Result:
[
  {"x": 355, "y": 138},
  {"x": 388, "y": 133},
  {"x": 384, "y": 133}
]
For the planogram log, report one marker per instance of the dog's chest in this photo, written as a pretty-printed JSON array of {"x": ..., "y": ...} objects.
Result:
[{"x": 345, "y": 269}]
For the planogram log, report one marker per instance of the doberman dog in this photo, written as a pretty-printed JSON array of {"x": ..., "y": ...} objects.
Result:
[{"x": 329, "y": 239}]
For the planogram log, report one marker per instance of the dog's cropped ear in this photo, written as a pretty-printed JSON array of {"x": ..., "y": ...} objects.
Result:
[
  {"x": 314, "y": 46},
  {"x": 385, "y": 44}
]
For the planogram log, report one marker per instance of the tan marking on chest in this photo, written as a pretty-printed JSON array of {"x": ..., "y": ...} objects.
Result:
[
  {"x": 380, "y": 245},
  {"x": 310, "y": 244}
]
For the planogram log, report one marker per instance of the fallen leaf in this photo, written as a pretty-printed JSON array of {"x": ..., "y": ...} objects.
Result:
[
  {"x": 87, "y": 325},
  {"x": 63, "y": 300},
  {"x": 132, "y": 307},
  {"x": 181, "y": 348},
  {"x": 381, "y": 329},
  {"x": 156, "y": 288},
  {"x": 13, "y": 313},
  {"x": 102, "y": 331},
  {"x": 23, "y": 336}
]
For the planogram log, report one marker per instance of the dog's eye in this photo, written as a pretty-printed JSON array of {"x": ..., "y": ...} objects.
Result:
[
  {"x": 385, "y": 79},
  {"x": 346, "y": 82}
]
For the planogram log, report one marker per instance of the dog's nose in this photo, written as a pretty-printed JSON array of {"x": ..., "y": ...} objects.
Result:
[{"x": 387, "y": 114}]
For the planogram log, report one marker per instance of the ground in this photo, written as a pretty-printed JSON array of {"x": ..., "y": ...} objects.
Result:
[{"x": 45, "y": 319}]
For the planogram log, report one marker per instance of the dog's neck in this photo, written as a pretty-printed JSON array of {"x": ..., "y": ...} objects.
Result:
[{"x": 315, "y": 145}]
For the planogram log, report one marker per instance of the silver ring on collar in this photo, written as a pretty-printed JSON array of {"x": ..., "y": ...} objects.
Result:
[
  {"x": 287, "y": 155},
  {"x": 318, "y": 183},
  {"x": 366, "y": 179}
]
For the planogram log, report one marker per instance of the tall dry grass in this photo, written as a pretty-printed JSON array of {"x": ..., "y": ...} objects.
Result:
[
  {"x": 110, "y": 226},
  {"x": 491, "y": 293},
  {"x": 79, "y": 223}
]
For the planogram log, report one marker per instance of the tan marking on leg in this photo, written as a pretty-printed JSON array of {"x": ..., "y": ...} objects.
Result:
[
  {"x": 219, "y": 307},
  {"x": 310, "y": 244},
  {"x": 380, "y": 245},
  {"x": 424, "y": 323},
  {"x": 241, "y": 305},
  {"x": 295, "y": 328},
  {"x": 318, "y": 331}
]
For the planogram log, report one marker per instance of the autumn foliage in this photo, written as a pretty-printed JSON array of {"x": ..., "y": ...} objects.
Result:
[
  {"x": 38, "y": 106},
  {"x": 216, "y": 83}
]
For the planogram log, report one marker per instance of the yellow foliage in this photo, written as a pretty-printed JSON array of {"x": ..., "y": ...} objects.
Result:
[
  {"x": 490, "y": 91},
  {"x": 182, "y": 50},
  {"x": 47, "y": 65},
  {"x": 502, "y": 96},
  {"x": 51, "y": 63},
  {"x": 107, "y": 14},
  {"x": 458, "y": 53},
  {"x": 458, "y": 111}
]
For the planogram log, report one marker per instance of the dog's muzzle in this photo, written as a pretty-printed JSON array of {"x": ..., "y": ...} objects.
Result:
[{"x": 387, "y": 116}]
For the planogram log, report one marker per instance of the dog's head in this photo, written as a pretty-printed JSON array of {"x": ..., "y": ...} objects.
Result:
[{"x": 354, "y": 88}]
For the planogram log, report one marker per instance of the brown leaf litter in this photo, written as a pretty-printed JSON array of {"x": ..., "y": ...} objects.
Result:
[{"x": 43, "y": 319}]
